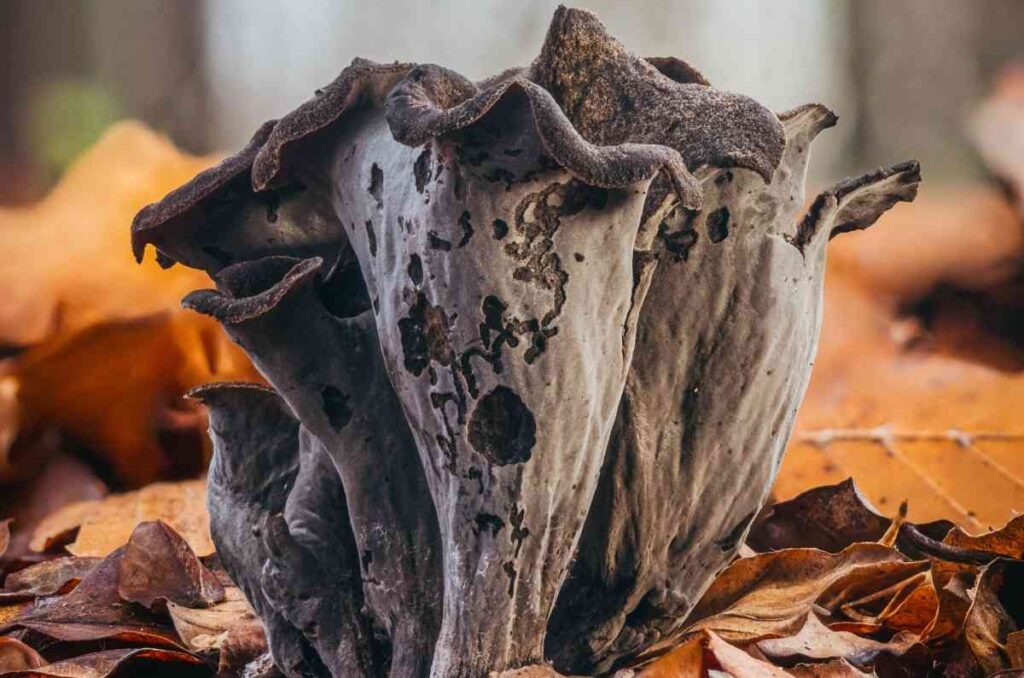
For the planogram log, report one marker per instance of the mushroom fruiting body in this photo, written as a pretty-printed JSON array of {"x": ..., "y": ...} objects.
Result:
[{"x": 546, "y": 334}]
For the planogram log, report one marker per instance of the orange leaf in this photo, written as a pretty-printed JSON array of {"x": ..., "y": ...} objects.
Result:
[{"x": 107, "y": 524}]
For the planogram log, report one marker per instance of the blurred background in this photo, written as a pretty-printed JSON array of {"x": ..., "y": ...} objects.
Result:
[
  {"x": 903, "y": 76},
  {"x": 107, "y": 105}
]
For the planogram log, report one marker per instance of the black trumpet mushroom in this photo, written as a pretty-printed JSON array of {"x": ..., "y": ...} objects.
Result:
[{"x": 536, "y": 345}]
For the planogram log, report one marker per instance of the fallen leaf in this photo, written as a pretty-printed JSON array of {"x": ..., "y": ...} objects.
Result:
[
  {"x": 528, "y": 672},
  {"x": 158, "y": 565},
  {"x": 118, "y": 387},
  {"x": 5, "y": 535},
  {"x": 1015, "y": 649},
  {"x": 149, "y": 662},
  {"x": 815, "y": 641},
  {"x": 206, "y": 628},
  {"x": 105, "y": 525},
  {"x": 16, "y": 655},
  {"x": 243, "y": 643},
  {"x": 67, "y": 264},
  {"x": 1006, "y": 541},
  {"x": 704, "y": 651},
  {"x": 95, "y": 611},
  {"x": 829, "y": 518},
  {"x": 833, "y": 669},
  {"x": 63, "y": 480},
  {"x": 996, "y": 611},
  {"x": 919, "y": 410},
  {"x": 46, "y": 578},
  {"x": 104, "y": 351},
  {"x": 771, "y": 594}
]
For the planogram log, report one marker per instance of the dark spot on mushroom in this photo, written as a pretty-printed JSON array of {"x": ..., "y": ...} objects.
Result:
[
  {"x": 732, "y": 539},
  {"x": 421, "y": 169},
  {"x": 477, "y": 475},
  {"x": 366, "y": 559},
  {"x": 371, "y": 238},
  {"x": 718, "y": 225},
  {"x": 500, "y": 229},
  {"x": 488, "y": 522},
  {"x": 376, "y": 187},
  {"x": 519, "y": 533},
  {"x": 415, "y": 270},
  {"x": 425, "y": 336},
  {"x": 510, "y": 571},
  {"x": 502, "y": 428},
  {"x": 273, "y": 203},
  {"x": 723, "y": 178},
  {"x": 677, "y": 243},
  {"x": 578, "y": 257},
  {"x": 436, "y": 242},
  {"x": 467, "y": 228},
  {"x": 335, "y": 404}
]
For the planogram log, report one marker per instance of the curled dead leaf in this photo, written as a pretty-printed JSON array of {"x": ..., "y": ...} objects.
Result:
[
  {"x": 158, "y": 565},
  {"x": 771, "y": 594},
  {"x": 816, "y": 642},
  {"x": 207, "y": 628},
  {"x": 16, "y": 656},
  {"x": 94, "y": 611},
  {"x": 996, "y": 611}
]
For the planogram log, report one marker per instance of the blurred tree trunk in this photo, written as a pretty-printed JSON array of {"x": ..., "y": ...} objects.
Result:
[
  {"x": 151, "y": 54},
  {"x": 143, "y": 57},
  {"x": 920, "y": 67}
]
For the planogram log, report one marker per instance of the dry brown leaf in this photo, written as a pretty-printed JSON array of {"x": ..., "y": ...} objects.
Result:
[
  {"x": 118, "y": 389},
  {"x": 46, "y": 578},
  {"x": 706, "y": 650},
  {"x": 528, "y": 672},
  {"x": 67, "y": 263},
  {"x": 205, "y": 629},
  {"x": 110, "y": 351},
  {"x": 108, "y": 523},
  {"x": 16, "y": 656},
  {"x": 770, "y": 595},
  {"x": 1006, "y": 541},
  {"x": 158, "y": 565},
  {"x": 243, "y": 643},
  {"x": 829, "y": 518},
  {"x": 815, "y": 641},
  {"x": 95, "y": 611},
  {"x": 1015, "y": 649},
  {"x": 63, "y": 480},
  {"x": 928, "y": 414},
  {"x": 5, "y": 535},
  {"x": 127, "y": 662},
  {"x": 833, "y": 669},
  {"x": 996, "y": 610}
]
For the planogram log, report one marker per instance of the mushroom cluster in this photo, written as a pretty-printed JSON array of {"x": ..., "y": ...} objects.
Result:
[{"x": 536, "y": 344}]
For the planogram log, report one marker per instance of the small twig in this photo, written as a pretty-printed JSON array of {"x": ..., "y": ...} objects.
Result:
[{"x": 953, "y": 554}]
